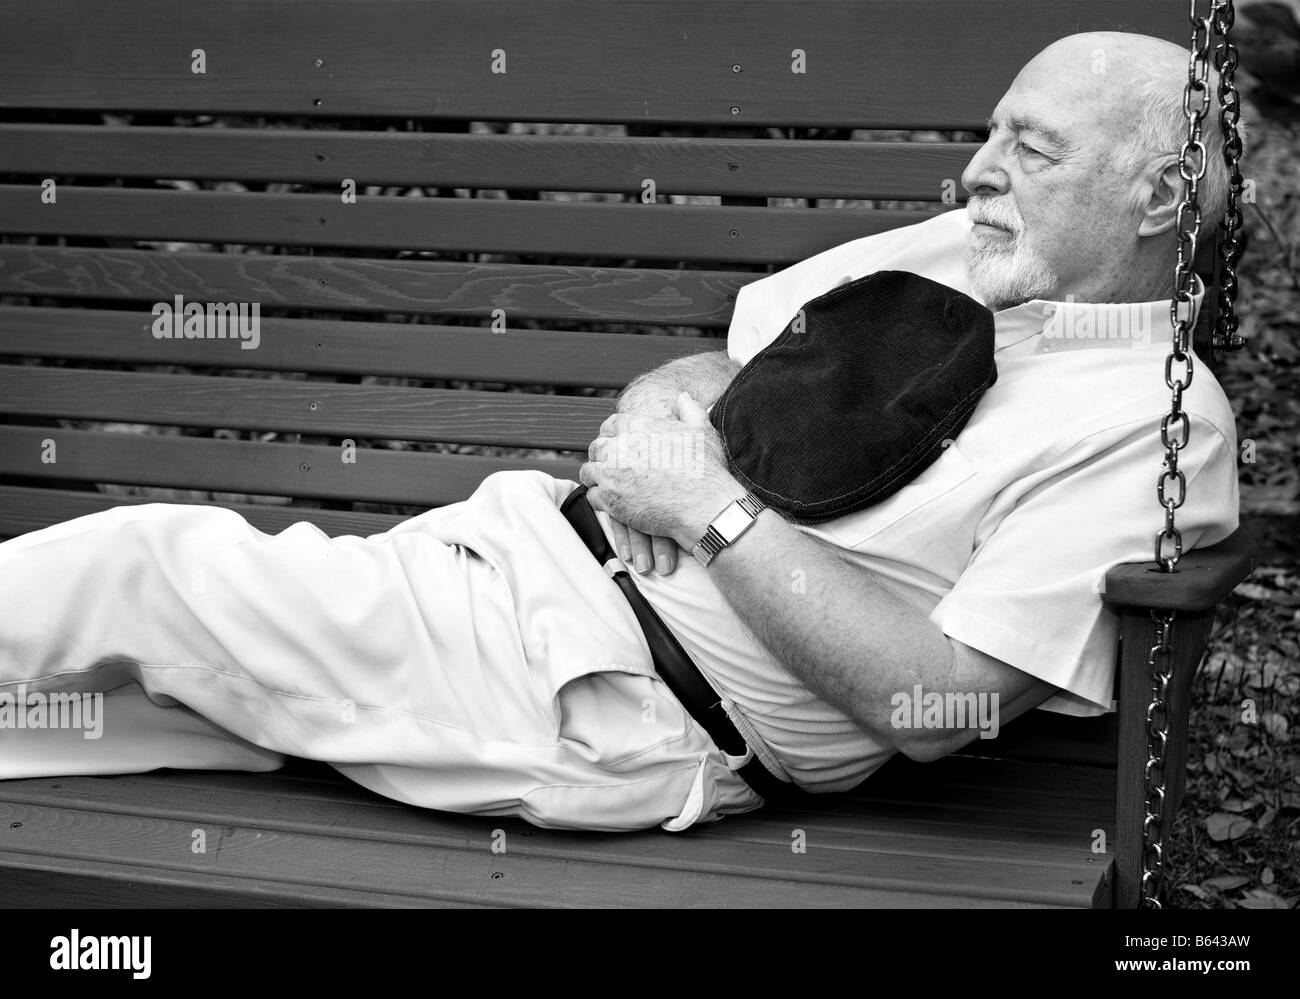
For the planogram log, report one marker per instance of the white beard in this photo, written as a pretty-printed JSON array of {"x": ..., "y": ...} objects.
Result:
[{"x": 1005, "y": 272}]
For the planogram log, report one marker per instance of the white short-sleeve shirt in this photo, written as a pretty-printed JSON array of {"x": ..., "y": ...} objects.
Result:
[{"x": 1004, "y": 541}]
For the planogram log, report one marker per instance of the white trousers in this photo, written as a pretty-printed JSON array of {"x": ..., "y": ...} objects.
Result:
[{"x": 474, "y": 659}]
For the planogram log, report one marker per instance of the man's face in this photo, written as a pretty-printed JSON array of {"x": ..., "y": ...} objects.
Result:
[{"x": 1048, "y": 207}]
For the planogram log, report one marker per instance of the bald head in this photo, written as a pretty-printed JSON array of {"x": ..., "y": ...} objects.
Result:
[
  {"x": 1115, "y": 57},
  {"x": 1077, "y": 189},
  {"x": 1131, "y": 88}
]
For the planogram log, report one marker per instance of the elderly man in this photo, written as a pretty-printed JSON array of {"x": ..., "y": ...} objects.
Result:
[{"x": 478, "y": 659}]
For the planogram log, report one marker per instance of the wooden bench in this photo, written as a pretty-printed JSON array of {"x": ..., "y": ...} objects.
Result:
[{"x": 225, "y": 185}]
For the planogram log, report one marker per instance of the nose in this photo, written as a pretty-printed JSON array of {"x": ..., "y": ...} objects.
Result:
[{"x": 984, "y": 175}]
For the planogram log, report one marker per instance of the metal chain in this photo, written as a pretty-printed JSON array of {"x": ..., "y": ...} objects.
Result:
[
  {"x": 1225, "y": 325},
  {"x": 1175, "y": 426},
  {"x": 1160, "y": 669}
]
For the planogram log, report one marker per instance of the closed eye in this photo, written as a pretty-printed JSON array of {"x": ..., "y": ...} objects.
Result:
[{"x": 1020, "y": 127}]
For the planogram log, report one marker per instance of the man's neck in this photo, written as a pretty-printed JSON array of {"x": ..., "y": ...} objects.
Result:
[{"x": 1122, "y": 282}]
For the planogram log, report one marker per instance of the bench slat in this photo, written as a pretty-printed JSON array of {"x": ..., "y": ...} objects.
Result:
[
  {"x": 591, "y": 294},
  {"x": 273, "y": 469},
  {"x": 31, "y": 881},
  {"x": 403, "y": 350},
  {"x": 981, "y": 818},
  {"x": 586, "y": 60},
  {"x": 805, "y": 168},
  {"x": 36, "y": 881},
  {"x": 512, "y": 419},
  {"x": 471, "y": 225},
  {"x": 1055, "y": 821},
  {"x": 306, "y": 860}
]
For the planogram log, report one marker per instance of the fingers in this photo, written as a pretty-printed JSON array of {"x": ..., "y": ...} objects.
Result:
[
  {"x": 665, "y": 555},
  {"x": 632, "y": 546},
  {"x": 622, "y": 544},
  {"x": 643, "y": 551},
  {"x": 643, "y": 556},
  {"x": 649, "y": 551}
]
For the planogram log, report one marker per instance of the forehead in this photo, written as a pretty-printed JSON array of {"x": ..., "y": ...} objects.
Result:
[{"x": 1066, "y": 106}]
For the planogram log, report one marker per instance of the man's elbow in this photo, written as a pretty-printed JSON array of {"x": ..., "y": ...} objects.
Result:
[{"x": 925, "y": 745}]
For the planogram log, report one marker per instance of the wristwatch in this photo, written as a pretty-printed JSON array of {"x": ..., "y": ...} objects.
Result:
[{"x": 735, "y": 519}]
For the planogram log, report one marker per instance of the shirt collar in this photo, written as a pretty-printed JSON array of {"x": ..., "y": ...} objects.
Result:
[{"x": 1070, "y": 325}]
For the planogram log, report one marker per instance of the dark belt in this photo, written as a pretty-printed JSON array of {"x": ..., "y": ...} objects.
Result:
[{"x": 671, "y": 662}]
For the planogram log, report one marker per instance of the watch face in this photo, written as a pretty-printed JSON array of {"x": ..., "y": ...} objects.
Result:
[{"x": 731, "y": 521}]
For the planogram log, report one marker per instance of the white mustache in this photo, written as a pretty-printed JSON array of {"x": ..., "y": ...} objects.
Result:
[{"x": 995, "y": 213}]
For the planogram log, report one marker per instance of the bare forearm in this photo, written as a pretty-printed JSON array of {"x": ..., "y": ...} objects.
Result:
[
  {"x": 704, "y": 376},
  {"x": 852, "y": 640}
]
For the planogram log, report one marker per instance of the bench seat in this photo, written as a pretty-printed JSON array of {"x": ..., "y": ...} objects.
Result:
[{"x": 969, "y": 833}]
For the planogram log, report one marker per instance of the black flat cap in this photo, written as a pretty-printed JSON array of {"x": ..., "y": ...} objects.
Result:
[{"x": 857, "y": 394}]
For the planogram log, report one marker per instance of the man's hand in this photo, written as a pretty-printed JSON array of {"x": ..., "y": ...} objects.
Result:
[
  {"x": 663, "y": 477},
  {"x": 654, "y": 393}
]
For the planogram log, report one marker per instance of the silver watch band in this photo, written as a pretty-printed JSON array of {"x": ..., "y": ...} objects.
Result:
[{"x": 715, "y": 540}]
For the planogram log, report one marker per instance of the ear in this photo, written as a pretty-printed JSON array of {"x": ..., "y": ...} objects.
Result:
[{"x": 1160, "y": 190}]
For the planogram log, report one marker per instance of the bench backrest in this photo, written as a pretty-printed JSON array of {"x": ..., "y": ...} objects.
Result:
[{"x": 491, "y": 287}]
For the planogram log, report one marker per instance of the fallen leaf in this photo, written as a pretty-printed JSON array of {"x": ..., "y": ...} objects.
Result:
[
  {"x": 1258, "y": 898},
  {"x": 1225, "y": 882},
  {"x": 1275, "y": 724},
  {"x": 1199, "y": 892},
  {"x": 1241, "y": 777},
  {"x": 1223, "y": 826},
  {"x": 1266, "y": 876}
]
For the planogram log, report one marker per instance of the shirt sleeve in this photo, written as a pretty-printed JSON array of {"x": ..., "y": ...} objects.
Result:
[
  {"x": 934, "y": 248},
  {"x": 1031, "y": 593}
]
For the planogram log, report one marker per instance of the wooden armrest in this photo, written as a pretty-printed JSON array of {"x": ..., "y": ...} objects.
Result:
[{"x": 1203, "y": 578}]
